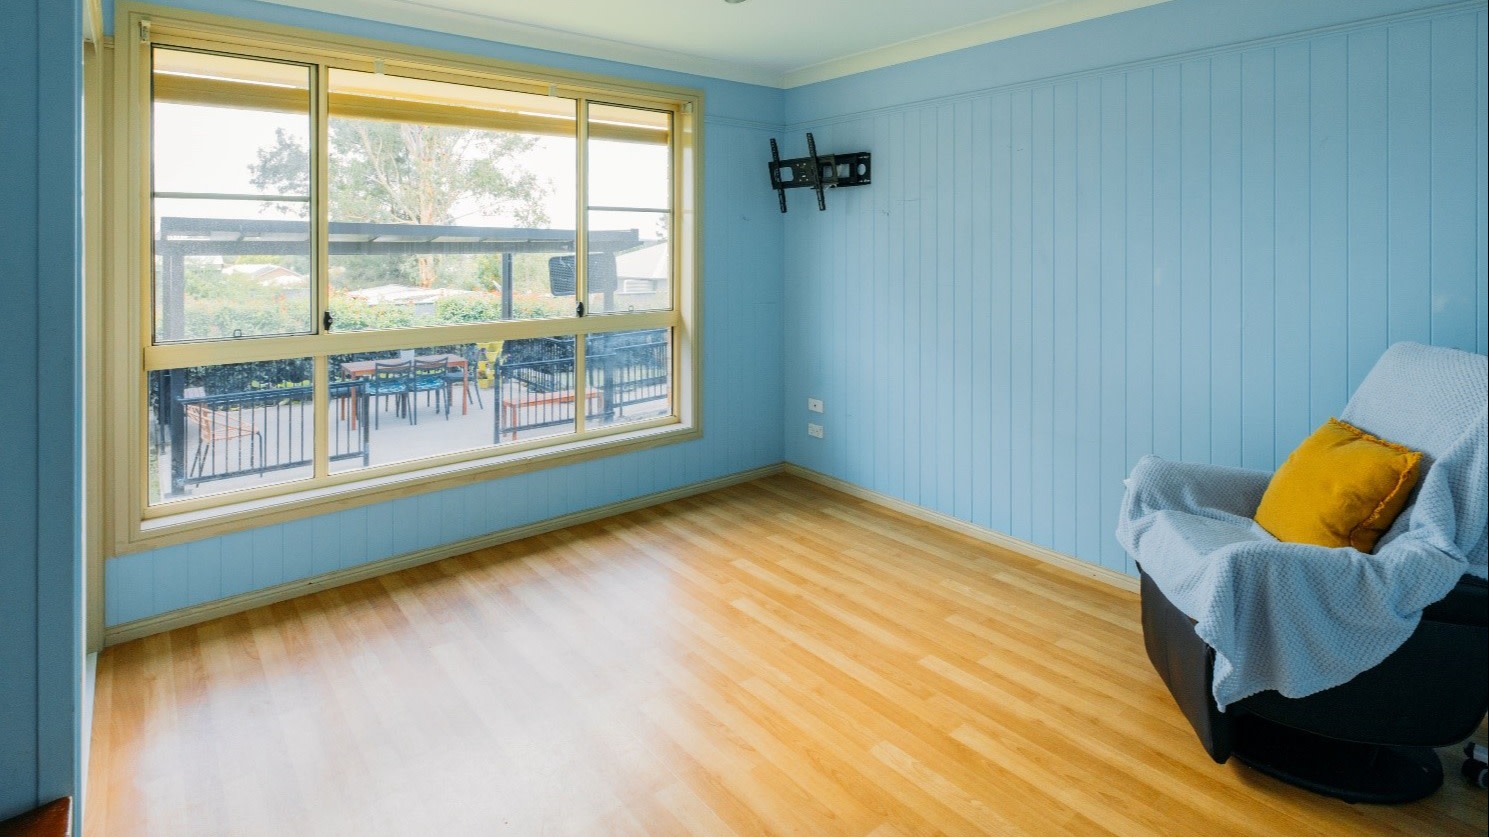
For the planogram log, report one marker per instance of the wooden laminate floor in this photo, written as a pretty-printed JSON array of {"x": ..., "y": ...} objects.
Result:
[{"x": 771, "y": 658}]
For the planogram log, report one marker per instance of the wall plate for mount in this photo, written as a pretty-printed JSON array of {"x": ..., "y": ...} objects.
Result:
[
  {"x": 814, "y": 404},
  {"x": 814, "y": 171},
  {"x": 814, "y": 430}
]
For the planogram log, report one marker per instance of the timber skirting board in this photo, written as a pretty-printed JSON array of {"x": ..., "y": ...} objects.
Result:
[
  {"x": 171, "y": 620},
  {"x": 1049, "y": 556}
]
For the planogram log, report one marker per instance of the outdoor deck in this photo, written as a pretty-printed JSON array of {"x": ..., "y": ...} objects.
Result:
[
  {"x": 391, "y": 438},
  {"x": 229, "y": 432}
]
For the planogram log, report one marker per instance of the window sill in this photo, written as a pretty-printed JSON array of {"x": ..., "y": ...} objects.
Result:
[{"x": 220, "y": 520}]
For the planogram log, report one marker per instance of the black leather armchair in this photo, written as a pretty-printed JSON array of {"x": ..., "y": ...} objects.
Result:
[{"x": 1368, "y": 740}]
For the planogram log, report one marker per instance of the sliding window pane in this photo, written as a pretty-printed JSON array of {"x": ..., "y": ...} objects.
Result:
[
  {"x": 630, "y": 209},
  {"x": 447, "y": 202},
  {"x": 216, "y": 429},
  {"x": 629, "y": 375},
  {"x": 231, "y": 189}
]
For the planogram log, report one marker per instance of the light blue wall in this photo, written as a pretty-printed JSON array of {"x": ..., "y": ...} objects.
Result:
[
  {"x": 1058, "y": 268},
  {"x": 40, "y": 585},
  {"x": 1153, "y": 33},
  {"x": 743, "y": 250},
  {"x": 1194, "y": 256},
  {"x": 1197, "y": 256}
]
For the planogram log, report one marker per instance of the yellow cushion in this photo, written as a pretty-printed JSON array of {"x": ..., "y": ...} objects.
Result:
[{"x": 1341, "y": 487}]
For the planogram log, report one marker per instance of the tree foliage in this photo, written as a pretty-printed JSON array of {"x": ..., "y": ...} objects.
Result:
[
  {"x": 408, "y": 173},
  {"x": 399, "y": 172}
]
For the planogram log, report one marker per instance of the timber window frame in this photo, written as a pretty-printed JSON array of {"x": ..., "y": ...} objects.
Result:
[{"x": 131, "y": 353}]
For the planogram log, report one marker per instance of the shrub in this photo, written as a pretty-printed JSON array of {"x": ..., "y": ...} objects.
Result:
[{"x": 470, "y": 308}]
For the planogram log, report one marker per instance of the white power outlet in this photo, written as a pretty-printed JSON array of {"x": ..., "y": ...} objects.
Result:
[
  {"x": 814, "y": 404},
  {"x": 814, "y": 430}
]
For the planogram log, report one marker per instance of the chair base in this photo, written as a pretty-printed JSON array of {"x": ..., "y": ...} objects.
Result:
[{"x": 1353, "y": 772}]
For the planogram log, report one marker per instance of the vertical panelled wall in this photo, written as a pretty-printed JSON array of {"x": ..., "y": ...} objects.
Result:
[
  {"x": 1198, "y": 258},
  {"x": 40, "y": 592},
  {"x": 741, "y": 291}
]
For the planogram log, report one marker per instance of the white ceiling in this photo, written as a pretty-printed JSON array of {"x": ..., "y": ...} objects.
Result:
[{"x": 780, "y": 43}]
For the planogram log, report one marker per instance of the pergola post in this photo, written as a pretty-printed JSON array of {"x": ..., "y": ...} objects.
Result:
[
  {"x": 507, "y": 283},
  {"x": 173, "y": 327}
]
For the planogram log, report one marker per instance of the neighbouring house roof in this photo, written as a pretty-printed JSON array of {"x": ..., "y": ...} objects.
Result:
[
  {"x": 269, "y": 274},
  {"x": 404, "y": 295},
  {"x": 654, "y": 261}
]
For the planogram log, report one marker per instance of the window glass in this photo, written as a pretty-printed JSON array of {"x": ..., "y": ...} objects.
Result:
[
  {"x": 447, "y": 203},
  {"x": 630, "y": 376},
  {"x": 214, "y": 429},
  {"x": 309, "y": 212},
  {"x": 231, "y": 181},
  {"x": 534, "y": 384},
  {"x": 411, "y": 404},
  {"x": 630, "y": 262},
  {"x": 630, "y": 209}
]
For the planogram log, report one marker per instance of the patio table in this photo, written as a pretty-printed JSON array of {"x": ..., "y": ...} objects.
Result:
[{"x": 364, "y": 369}]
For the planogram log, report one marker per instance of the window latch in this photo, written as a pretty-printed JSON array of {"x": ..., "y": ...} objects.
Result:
[
  {"x": 327, "y": 319},
  {"x": 579, "y": 310}
]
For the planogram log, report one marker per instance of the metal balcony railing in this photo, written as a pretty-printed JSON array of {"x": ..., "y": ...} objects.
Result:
[
  {"x": 239, "y": 434},
  {"x": 536, "y": 394}
]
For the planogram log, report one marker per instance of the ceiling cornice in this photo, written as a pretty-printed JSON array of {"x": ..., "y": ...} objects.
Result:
[
  {"x": 1003, "y": 27},
  {"x": 420, "y": 15}
]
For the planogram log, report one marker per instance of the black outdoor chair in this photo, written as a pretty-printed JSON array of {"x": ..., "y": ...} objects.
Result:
[
  {"x": 391, "y": 379},
  {"x": 431, "y": 377}
]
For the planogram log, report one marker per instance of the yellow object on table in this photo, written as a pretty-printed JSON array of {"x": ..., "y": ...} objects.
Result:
[{"x": 486, "y": 368}]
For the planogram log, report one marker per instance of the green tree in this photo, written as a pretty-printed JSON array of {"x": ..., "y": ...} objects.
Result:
[{"x": 399, "y": 172}]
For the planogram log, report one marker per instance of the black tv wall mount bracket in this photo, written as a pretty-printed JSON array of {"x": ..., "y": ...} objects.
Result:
[{"x": 816, "y": 171}]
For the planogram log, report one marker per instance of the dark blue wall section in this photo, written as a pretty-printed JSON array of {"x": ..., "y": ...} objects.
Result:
[
  {"x": 40, "y": 598},
  {"x": 1198, "y": 254}
]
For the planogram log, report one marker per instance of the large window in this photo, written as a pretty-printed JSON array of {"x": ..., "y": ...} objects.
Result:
[{"x": 365, "y": 270}]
